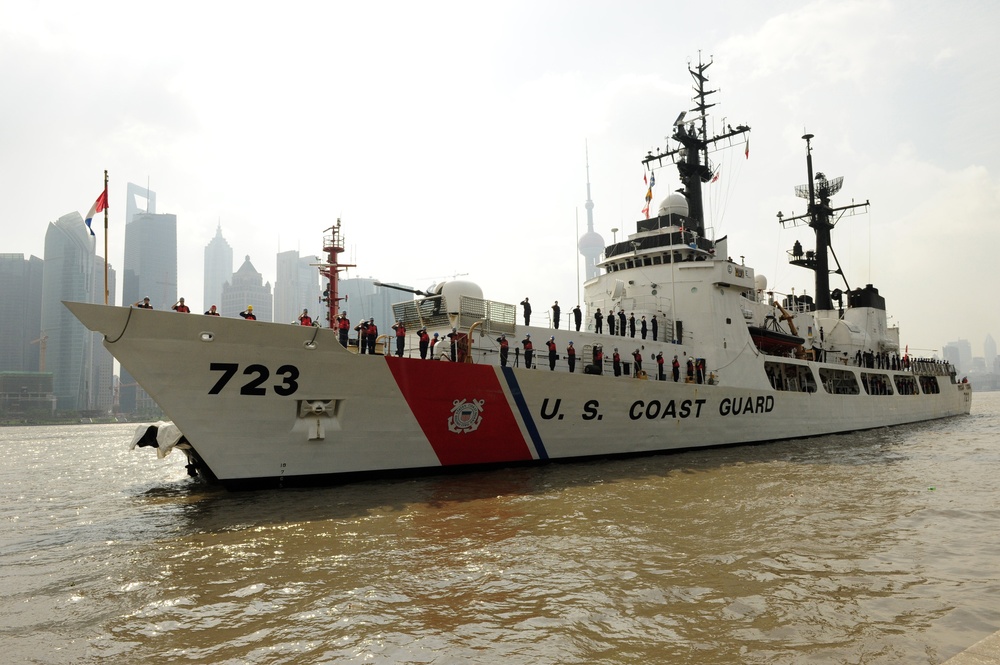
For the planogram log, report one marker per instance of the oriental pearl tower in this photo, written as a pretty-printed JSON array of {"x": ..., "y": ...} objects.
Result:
[{"x": 591, "y": 243}]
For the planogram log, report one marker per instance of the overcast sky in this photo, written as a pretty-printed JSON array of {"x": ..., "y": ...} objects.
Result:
[{"x": 450, "y": 137}]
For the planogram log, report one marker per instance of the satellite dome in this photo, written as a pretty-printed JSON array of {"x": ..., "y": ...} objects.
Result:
[
  {"x": 760, "y": 282},
  {"x": 675, "y": 204},
  {"x": 454, "y": 290}
]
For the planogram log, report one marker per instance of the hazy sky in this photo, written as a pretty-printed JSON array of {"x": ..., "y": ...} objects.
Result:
[{"x": 450, "y": 137}]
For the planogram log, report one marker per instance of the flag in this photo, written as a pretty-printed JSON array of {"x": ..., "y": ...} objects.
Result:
[
  {"x": 644, "y": 181},
  {"x": 645, "y": 211},
  {"x": 100, "y": 204},
  {"x": 649, "y": 195},
  {"x": 746, "y": 152},
  {"x": 716, "y": 176},
  {"x": 652, "y": 180}
]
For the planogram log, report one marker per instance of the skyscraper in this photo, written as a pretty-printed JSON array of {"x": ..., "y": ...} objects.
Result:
[
  {"x": 20, "y": 325},
  {"x": 150, "y": 270},
  {"x": 247, "y": 288},
  {"x": 68, "y": 275},
  {"x": 102, "y": 381},
  {"x": 218, "y": 268},
  {"x": 296, "y": 287},
  {"x": 591, "y": 243}
]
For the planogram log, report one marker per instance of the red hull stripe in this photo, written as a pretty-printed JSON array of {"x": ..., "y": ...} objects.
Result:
[
  {"x": 529, "y": 422},
  {"x": 462, "y": 410}
]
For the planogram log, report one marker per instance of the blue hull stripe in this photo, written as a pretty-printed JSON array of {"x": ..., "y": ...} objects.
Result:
[{"x": 522, "y": 406}]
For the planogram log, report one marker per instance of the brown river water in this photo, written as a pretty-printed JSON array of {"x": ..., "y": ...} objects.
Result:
[{"x": 873, "y": 547}]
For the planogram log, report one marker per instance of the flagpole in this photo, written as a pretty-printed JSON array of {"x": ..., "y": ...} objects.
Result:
[{"x": 105, "y": 236}]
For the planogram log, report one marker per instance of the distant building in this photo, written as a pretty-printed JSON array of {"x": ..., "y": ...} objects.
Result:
[
  {"x": 218, "y": 269},
  {"x": 68, "y": 275},
  {"x": 103, "y": 388},
  {"x": 990, "y": 352},
  {"x": 247, "y": 287},
  {"x": 26, "y": 395},
  {"x": 364, "y": 300},
  {"x": 296, "y": 287},
  {"x": 150, "y": 270},
  {"x": 21, "y": 323},
  {"x": 590, "y": 244},
  {"x": 959, "y": 354}
]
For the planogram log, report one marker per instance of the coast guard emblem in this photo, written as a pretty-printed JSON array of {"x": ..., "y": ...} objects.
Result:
[{"x": 466, "y": 415}]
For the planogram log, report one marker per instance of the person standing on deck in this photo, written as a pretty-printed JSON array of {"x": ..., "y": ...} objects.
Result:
[
  {"x": 179, "y": 306},
  {"x": 676, "y": 365},
  {"x": 400, "y": 338},
  {"x": 571, "y": 357},
  {"x": 577, "y": 317},
  {"x": 621, "y": 323},
  {"x": 616, "y": 362},
  {"x": 598, "y": 322},
  {"x": 642, "y": 328},
  {"x": 527, "y": 311},
  {"x": 631, "y": 325},
  {"x": 343, "y": 328},
  {"x": 504, "y": 345},
  {"x": 555, "y": 314},
  {"x": 425, "y": 340},
  {"x": 528, "y": 351},
  {"x": 655, "y": 326},
  {"x": 551, "y": 344}
]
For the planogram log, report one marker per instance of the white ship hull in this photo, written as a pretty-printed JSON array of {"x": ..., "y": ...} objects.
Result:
[{"x": 301, "y": 409}]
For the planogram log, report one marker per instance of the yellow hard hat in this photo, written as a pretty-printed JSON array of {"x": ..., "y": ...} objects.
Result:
[{"x": 249, "y": 307}]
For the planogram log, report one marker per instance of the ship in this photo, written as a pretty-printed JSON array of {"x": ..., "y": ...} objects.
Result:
[{"x": 721, "y": 360}]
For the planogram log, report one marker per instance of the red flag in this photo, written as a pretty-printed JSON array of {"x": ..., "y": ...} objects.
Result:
[
  {"x": 716, "y": 176},
  {"x": 747, "y": 151},
  {"x": 645, "y": 211},
  {"x": 100, "y": 204},
  {"x": 644, "y": 181}
]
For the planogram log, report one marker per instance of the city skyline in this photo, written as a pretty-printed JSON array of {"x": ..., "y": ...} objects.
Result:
[{"x": 482, "y": 170}]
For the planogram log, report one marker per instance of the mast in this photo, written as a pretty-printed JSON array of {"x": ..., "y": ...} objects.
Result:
[
  {"x": 817, "y": 191},
  {"x": 333, "y": 245},
  {"x": 691, "y": 157}
]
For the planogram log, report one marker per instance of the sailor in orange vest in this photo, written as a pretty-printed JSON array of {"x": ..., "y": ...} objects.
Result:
[
  {"x": 434, "y": 342},
  {"x": 400, "y": 338},
  {"x": 425, "y": 340},
  {"x": 528, "y": 351},
  {"x": 616, "y": 362},
  {"x": 599, "y": 358},
  {"x": 305, "y": 319},
  {"x": 552, "y": 353},
  {"x": 677, "y": 369},
  {"x": 659, "y": 367},
  {"x": 502, "y": 340},
  {"x": 212, "y": 311},
  {"x": 179, "y": 306},
  {"x": 343, "y": 328},
  {"x": 371, "y": 335},
  {"x": 248, "y": 313},
  {"x": 637, "y": 357},
  {"x": 571, "y": 357}
]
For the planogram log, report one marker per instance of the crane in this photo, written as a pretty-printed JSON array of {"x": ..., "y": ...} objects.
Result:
[{"x": 41, "y": 351}]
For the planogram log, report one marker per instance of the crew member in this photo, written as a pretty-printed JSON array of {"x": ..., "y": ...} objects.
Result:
[
  {"x": 637, "y": 357},
  {"x": 577, "y": 317},
  {"x": 621, "y": 323},
  {"x": 371, "y": 335},
  {"x": 690, "y": 370},
  {"x": 660, "y": 376},
  {"x": 571, "y": 357},
  {"x": 655, "y": 326},
  {"x": 598, "y": 322},
  {"x": 642, "y": 328},
  {"x": 551, "y": 344},
  {"x": 212, "y": 311},
  {"x": 362, "y": 330},
  {"x": 676, "y": 365},
  {"x": 616, "y": 362},
  {"x": 400, "y": 337},
  {"x": 343, "y": 328},
  {"x": 433, "y": 344},
  {"x": 611, "y": 323},
  {"x": 425, "y": 340},
  {"x": 599, "y": 358},
  {"x": 502, "y": 341},
  {"x": 699, "y": 368},
  {"x": 528, "y": 351},
  {"x": 555, "y": 314},
  {"x": 305, "y": 319},
  {"x": 248, "y": 313},
  {"x": 144, "y": 303},
  {"x": 631, "y": 325},
  {"x": 453, "y": 338},
  {"x": 527, "y": 311},
  {"x": 179, "y": 306}
]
